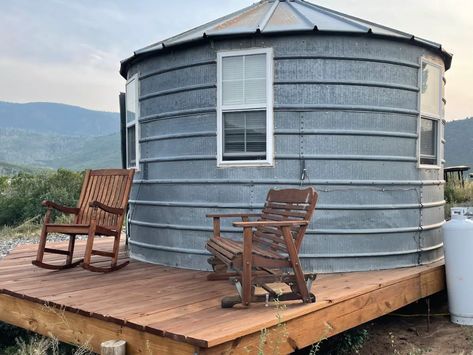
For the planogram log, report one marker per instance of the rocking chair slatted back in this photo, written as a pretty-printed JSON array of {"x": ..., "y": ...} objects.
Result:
[
  {"x": 110, "y": 187},
  {"x": 288, "y": 204}
]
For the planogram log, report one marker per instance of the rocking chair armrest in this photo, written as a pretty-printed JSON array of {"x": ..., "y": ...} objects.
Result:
[
  {"x": 109, "y": 209},
  {"x": 232, "y": 215},
  {"x": 270, "y": 224},
  {"x": 61, "y": 208}
]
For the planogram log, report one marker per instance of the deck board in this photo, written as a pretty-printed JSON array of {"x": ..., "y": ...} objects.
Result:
[{"x": 181, "y": 305}]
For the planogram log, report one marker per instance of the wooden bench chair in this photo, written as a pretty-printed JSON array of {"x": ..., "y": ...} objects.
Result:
[
  {"x": 100, "y": 211},
  {"x": 270, "y": 245}
]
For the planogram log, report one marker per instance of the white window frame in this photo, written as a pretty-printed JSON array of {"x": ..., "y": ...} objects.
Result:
[
  {"x": 437, "y": 118},
  {"x": 135, "y": 122},
  {"x": 269, "y": 161}
]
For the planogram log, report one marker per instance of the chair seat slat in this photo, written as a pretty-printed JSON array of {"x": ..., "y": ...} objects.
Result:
[
  {"x": 271, "y": 237},
  {"x": 265, "y": 244}
]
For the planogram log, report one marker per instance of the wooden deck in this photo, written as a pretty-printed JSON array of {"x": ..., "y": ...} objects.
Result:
[{"x": 162, "y": 310}]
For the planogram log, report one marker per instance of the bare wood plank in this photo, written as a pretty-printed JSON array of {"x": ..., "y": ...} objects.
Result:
[
  {"x": 106, "y": 172},
  {"x": 222, "y": 329},
  {"x": 333, "y": 319},
  {"x": 76, "y": 329},
  {"x": 180, "y": 316}
]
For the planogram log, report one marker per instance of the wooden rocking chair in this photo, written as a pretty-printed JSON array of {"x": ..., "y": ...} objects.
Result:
[
  {"x": 269, "y": 244},
  {"x": 100, "y": 211}
]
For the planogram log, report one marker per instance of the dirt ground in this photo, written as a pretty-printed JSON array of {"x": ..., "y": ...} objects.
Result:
[
  {"x": 405, "y": 332},
  {"x": 395, "y": 335}
]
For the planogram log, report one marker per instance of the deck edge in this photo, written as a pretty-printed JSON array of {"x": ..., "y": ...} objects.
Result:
[
  {"x": 413, "y": 288},
  {"x": 78, "y": 329}
]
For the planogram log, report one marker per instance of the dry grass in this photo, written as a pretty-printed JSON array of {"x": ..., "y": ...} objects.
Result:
[
  {"x": 458, "y": 195},
  {"x": 39, "y": 345},
  {"x": 29, "y": 228}
]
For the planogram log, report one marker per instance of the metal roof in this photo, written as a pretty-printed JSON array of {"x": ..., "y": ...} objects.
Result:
[{"x": 284, "y": 16}]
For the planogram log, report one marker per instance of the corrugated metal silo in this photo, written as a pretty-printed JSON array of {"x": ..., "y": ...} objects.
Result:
[{"x": 346, "y": 120}]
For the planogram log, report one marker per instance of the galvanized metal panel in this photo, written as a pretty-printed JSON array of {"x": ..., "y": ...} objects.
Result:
[
  {"x": 283, "y": 16},
  {"x": 345, "y": 108},
  {"x": 343, "y": 70}
]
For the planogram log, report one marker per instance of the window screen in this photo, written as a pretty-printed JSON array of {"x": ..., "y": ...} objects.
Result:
[
  {"x": 131, "y": 145},
  {"x": 428, "y": 141},
  {"x": 244, "y": 135}
]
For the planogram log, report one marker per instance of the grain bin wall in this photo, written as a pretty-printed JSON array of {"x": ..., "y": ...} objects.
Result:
[{"x": 345, "y": 108}]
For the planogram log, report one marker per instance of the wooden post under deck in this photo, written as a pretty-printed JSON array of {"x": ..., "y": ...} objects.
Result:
[{"x": 113, "y": 347}]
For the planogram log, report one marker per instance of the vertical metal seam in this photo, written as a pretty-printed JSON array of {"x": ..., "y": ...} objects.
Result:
[
  {"x": 252, "y": 191},
  {"x": 301, "y": 148},
  {"x": 421, "y": 215}
]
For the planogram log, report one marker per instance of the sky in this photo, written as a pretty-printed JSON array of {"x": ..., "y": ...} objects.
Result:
[{"x": 69, "y": 51}]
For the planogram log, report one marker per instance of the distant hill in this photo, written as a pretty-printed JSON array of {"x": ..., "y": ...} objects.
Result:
[
  {"x": 50, "y": 135},
  {"x": 459, "y": 142},
  {"x": 12, "y": 169},
  {"x": 53, "y": 118},
  {"x": 39, "y": 150}
]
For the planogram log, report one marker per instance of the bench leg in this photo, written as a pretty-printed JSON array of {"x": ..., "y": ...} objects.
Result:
[
  {"x": 247, "y": 265},
  {"x": 296, "y": 265}
]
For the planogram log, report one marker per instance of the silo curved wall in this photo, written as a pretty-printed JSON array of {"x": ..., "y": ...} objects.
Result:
[{"x": 346, "y": 107}]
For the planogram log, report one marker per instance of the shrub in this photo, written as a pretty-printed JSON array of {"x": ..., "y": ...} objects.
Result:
[
  {"x": 21, "y": 195},
  {"x": 346, "y": 343},
  {"x": 18, "y": 341},
  {"x": 8, "y": 334}
]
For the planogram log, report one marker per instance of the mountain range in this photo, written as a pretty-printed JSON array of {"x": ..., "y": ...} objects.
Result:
[
  {"x": 459, "y": 143},
  {"x": 43, "y": 135},
  {"x": 58, "y": 119},
  {"x": 50, "y": 135}
]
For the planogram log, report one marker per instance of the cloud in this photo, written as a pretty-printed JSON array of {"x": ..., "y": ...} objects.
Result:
[{"x": 69, "y": 51}]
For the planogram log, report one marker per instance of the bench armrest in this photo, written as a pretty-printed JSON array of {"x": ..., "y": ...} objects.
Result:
[
  {"x": 109, "y": 209},
  {"x": 232, "y": 215},
  {"x": 61, "y": 208},
  {"x": 271, "y": 223},
  {"x": 216, "y": 219}
]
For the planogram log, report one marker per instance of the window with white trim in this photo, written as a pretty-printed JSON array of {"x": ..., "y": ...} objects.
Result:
[
  {"x": 245, "y": 107},
  {"x": 132, "y": 126},
  {"x": 430, "y": 113}
]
